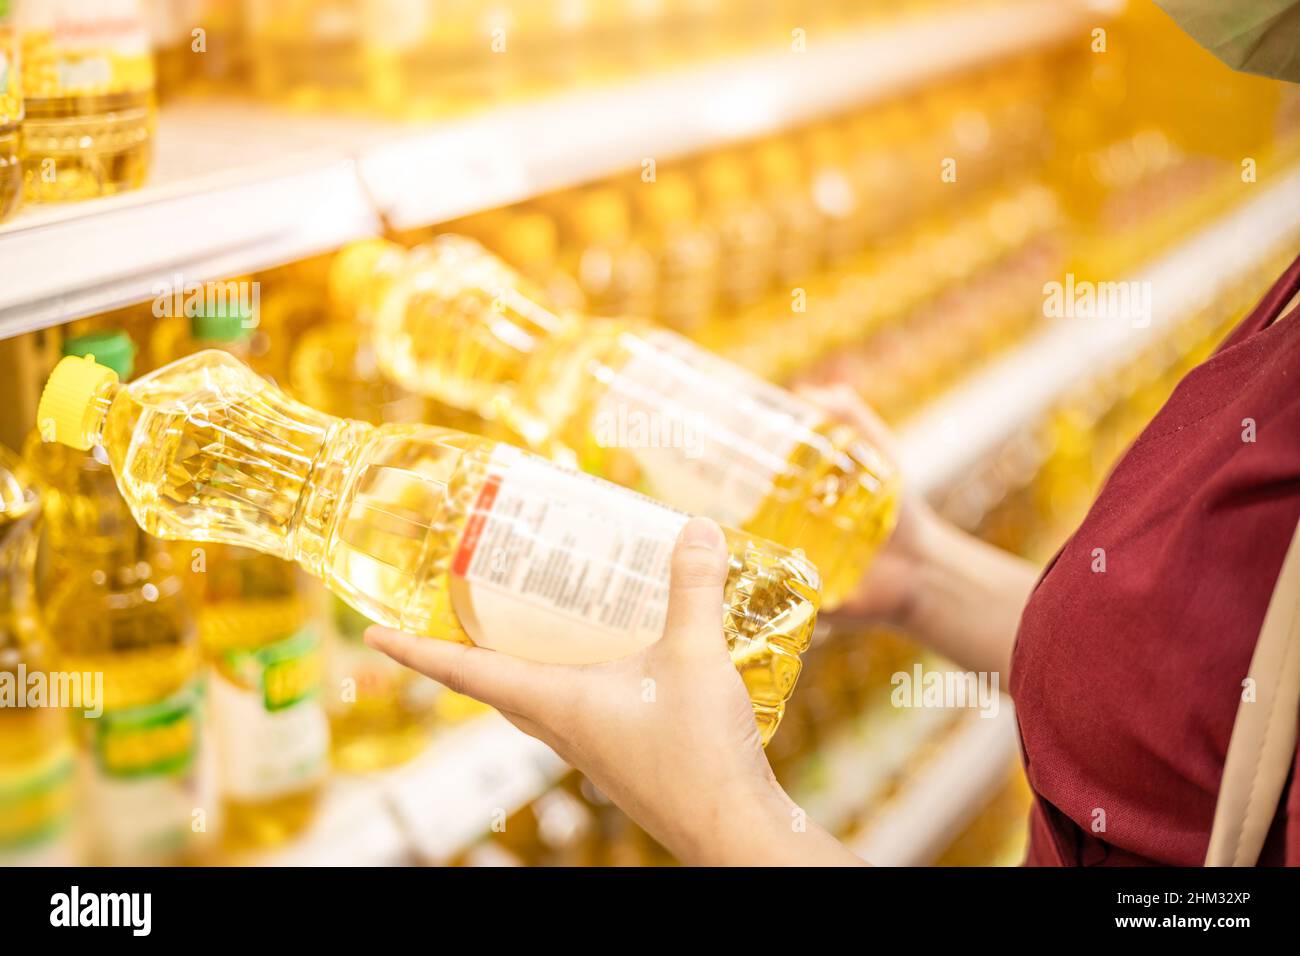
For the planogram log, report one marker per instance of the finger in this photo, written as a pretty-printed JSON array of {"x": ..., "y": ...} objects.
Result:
[
  {"x": 699, "y": 571},
  {"x": 499, "y": 680}
]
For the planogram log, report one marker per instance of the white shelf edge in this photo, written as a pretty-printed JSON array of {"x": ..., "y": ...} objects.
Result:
[
  {"x": 241, "y": 189},
  {"x": 943, "y": 794}
]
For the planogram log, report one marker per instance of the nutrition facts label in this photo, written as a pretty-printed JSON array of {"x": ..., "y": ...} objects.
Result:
[
  {"x": 708, "y": 436},
  {"x": 558, "y": 566}
]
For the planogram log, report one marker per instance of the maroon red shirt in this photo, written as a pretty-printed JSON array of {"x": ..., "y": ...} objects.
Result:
[{"x": 1127, "y": 682}]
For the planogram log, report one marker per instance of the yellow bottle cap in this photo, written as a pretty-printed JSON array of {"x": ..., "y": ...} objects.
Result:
[
  {"x": 66, "y": 410},
  {"x": 353, "y": 269}
]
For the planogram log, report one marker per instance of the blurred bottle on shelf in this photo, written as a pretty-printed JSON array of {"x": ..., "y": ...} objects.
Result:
[
  {"x": 116, "y": 606},
  {"x": 380, "y": 712},
  {"x": 783, "y": 186},
  {"x": 11, "y": 112},
  {"x": 747, "y": 235},
  {"x": 615, "y": 272},
  {"x": 422, "y": 528},
  {"x": 309, "y": 54},
  {"x": 266, "y": 663},
  {"x": 529, "y": 240},
  {"x": 426, "y": 60},
  {"x": 685, "y": 252},
  {"x": 88, "y": 91},
  {"x": 633, "y": 403},
  {"x": 36, "y": 754},
  {"x": 171, "y": 31},
  {"x": 220, "y": 50}
]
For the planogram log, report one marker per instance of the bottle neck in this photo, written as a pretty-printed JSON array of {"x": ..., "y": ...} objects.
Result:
[{"x": 96, "y": 417}]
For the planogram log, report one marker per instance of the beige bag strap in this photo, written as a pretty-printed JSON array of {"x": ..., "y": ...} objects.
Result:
[{"x": 1263, "y": 743}]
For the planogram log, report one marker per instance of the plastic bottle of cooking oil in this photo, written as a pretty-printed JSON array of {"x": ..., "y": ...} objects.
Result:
[
  {"x": 530, "y": 242},
  {"x": 36, "y": 755},
  {"x": 11, "y": 112},
  {"x": 425, "y": 60},
  {"x": 116, "y": 607},
  {"x": 747, "y": 234},
  {"x": 308, "y": 53},
  {"x": 175, "y": 62},
  {"x": 380, "y": 712},
  {"x": 423, "y": 528},
  {"x": 784, "y": 188},
  {"x": 633, "y": 403},
  {"x": 88, "y": 89},
  {"x": 272, "y": 735},
  {"x": 616, "y": 273},
  {"x": 686, "y": 253}
]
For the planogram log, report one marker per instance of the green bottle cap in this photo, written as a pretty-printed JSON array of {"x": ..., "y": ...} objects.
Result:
[
  {"x": 222, "y": 323},
  {"x": 111, "y": 348}
]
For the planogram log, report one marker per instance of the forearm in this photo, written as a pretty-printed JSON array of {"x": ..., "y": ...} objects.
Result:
[{"x": 967, "y": 598}]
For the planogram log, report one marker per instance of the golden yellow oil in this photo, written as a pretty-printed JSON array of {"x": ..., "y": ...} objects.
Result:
[
  {"x": 637, "y": 405},
  {"x": 380, "y": 713},
  {"x": 380, "y": 513},
  {"x": 115, "y": 606},
  {"x": 11, "y": 115},
  {"x": 264, "y": 655},
  {"x": 266, "y": 675},
  {"x": 88, "y": 91},
  {"x": 686, "y": 252},
  {"x": 614, "y": 271},
  {"x": 36, "y": 765}
]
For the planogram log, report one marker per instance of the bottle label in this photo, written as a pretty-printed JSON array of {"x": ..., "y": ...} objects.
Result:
[
  {"x": 146, "y": 778},
  {"x": 84, "y": 48},
  {"x": 555, "y": 565},
  {"x": 272, "y": 735},
  {"x": 706, "y": 435},
  {"x": 35, "y": 808}
]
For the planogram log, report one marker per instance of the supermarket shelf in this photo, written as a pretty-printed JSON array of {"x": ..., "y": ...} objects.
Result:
[
  {"x": 943, "y": 794},
  {"x": 239, "y": 188},
  {"x": 970, "y": 422}
]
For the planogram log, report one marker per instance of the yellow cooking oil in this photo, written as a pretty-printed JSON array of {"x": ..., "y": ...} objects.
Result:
[
  {"x": 529, "y": 240},
  {"x": 424, "y": 60},
  {"x": 36, "y": 755},
  {"x": 615, "y": 272},
  {"x": 423, "y": 528},
  {"x": 266, "y": 664},
  {"x": 308, "y": 54},
  {"x": 88, "y": 92},
  {"x": 633, "y": 403},
  {"x": 747, "y": 234},
  {"x": 11, "y": 113},
  {"x": 685, "y": 251},
  {"x": 783, "y": 185},
  {"x": 380, "y": 713},
  {"x": 115, "y": 606}
]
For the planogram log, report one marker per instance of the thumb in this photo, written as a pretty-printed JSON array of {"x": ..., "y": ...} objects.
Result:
[{"x": 699, "y": 571}]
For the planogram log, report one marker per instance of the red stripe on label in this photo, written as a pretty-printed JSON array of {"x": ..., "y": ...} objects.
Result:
[{"x": 474, "y": 527}]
